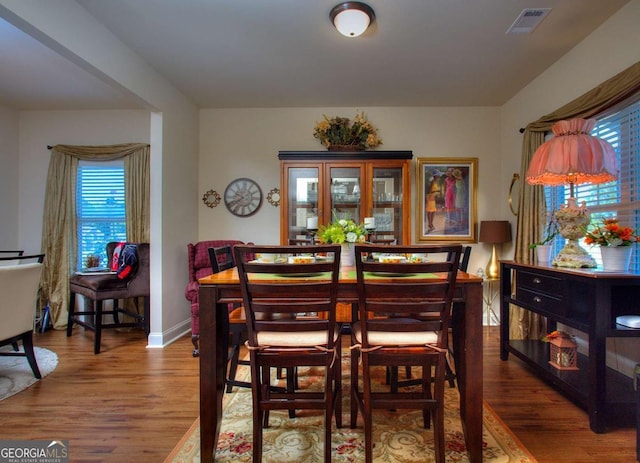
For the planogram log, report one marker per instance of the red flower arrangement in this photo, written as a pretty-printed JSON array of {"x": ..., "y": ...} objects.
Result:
[{"x": 611, "y": 234}]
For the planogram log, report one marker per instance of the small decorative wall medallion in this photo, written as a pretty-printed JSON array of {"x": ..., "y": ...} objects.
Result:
[
  {"x": 274, "y": 197},
  {"x": 243, "y": 197},
  {"x": 211, "y": 198}
]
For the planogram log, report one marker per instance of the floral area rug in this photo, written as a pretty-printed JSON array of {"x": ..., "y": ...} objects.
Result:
[
  {"x": 398, "y": 436},
  {"x": 16, "y": 374}
]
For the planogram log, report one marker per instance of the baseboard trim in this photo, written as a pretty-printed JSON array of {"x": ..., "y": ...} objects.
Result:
[{"x": 164, "y": 338}]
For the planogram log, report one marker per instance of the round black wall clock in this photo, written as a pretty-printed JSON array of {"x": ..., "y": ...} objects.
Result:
[{"x": 243, "y": 197}]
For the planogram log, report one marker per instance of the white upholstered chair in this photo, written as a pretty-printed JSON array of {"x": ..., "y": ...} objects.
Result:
[{"x": 19, "y": 289}]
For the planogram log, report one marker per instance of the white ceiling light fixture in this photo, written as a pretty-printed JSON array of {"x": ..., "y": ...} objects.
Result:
[{"x": 352, "y": 18}]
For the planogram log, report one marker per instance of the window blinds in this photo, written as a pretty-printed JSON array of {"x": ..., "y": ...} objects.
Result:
[{"x": 100, "y": 208}]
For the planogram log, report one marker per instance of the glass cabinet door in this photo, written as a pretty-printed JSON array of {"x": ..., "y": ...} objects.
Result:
[
  {"x": 387, "y": 200},
  {"x": 368, "y": 188},
  {"x": 302, "y": 203},
  {"x": 344, "y": 194}
]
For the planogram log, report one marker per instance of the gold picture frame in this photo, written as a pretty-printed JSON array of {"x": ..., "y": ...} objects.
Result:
[{"x": 447, "y": 199}]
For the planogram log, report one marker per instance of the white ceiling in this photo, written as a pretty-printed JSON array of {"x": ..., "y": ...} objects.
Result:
[{"x": 286, "y": 53}]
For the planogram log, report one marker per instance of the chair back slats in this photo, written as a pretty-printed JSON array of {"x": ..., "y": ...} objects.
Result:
[
  {"x": 304, "y": 302},
  {"x": 221, "y": 258},
  {"x": 289, "y": 295},
  {"x": 404, "y": 311},
  {"x": 464, "y": 258},
  {"x": 409, "y": 296}
]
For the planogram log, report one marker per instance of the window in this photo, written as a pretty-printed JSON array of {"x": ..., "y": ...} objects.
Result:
[
  {"x": 620, "y": 199},
  {"x": 100, "y": 207}
]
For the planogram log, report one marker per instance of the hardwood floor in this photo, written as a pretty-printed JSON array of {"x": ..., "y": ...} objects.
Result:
[
  {"x": 128, "y": 404},
  {"x": 550, "y": 426},
  {"x": 132, "y": 404}
]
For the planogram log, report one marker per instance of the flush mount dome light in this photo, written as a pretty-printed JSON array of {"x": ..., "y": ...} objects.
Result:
[{"x": 352, "y": 18}]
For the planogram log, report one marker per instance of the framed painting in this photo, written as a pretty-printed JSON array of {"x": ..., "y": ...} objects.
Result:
[{"x": 447, "y": 199}]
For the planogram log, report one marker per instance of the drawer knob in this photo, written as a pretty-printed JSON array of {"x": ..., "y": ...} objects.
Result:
[
  {"x": 537, "y": 299},
  {"x": 537, "y": 280}
]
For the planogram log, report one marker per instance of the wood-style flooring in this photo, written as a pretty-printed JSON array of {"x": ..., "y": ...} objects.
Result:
[{"x": 130, "y": 404}]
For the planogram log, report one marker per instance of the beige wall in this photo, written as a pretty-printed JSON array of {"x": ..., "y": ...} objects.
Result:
[
  {"x": 41, "y": 128},
  {"x": 245, "y": 143},
  {"x": 9, "y": 178}
]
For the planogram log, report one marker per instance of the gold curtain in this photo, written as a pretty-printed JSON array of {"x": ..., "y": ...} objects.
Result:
[
  {"x": 59, "y": 240},
  {"x": 532, "y": 207},
  {"x": 137, "y": 179}
]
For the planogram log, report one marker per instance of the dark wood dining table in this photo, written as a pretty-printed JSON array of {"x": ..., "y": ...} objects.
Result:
[{"x": 220, "y": 289}]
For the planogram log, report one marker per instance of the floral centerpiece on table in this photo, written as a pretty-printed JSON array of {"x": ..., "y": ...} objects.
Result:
[
  {"x": 342, "y": 231},
  {"x": 611, "y": 234},
  {"x": 341, "y": 131}
]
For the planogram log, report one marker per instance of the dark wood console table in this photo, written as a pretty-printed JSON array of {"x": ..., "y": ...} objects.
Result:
[{"x": 588, "y": 300}]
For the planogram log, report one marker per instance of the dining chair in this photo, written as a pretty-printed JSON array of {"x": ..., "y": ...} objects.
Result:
[
  {"x": 291, "y": 323},
  {"x": 5, "y": 257},
  {"x": 222, "y": 259},
  {"x": 104, "y": 286},
  {"x": 16, "y": 253},
  {"x": 19, "y": 284},
  {"x": 450, "y": 375},
  {"x": 404, "y": 311},
  {"x": 463, "y": 266}
]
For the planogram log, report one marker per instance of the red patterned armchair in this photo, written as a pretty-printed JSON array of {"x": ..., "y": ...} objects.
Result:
[{"x": 199, "y": 267}]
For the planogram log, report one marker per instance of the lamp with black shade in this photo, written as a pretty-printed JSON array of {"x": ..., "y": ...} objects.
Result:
[
  {"x": 573, "y": 156},
  {"x": 494, "y": 232}
]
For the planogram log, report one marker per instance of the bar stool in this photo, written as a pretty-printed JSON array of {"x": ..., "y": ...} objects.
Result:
[{"x": 107, "y": 286}]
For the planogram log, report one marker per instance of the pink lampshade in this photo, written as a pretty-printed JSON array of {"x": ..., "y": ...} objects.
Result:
[{"x": 573, "y": 156}]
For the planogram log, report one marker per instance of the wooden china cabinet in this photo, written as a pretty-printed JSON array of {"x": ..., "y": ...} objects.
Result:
[{"x": 350, "y": 185}]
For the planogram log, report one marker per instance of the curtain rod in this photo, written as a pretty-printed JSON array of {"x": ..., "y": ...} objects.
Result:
[{"x": 51, "y": 147}]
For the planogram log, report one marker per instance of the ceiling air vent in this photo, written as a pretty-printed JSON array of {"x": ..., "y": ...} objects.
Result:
[{"x": 528, "y": 20}]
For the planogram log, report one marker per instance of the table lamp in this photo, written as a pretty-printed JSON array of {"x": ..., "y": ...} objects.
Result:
[
  {"x": 494, "y": 232},
  {"x": 573, "y": 156}
]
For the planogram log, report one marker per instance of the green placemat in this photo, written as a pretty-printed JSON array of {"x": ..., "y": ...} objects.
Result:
[
  {"x": 350, "y": 275},
  {"x": 404, "y": 276},
  {"x": 276, "y": 276}
]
